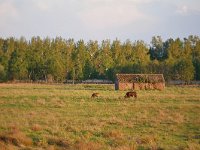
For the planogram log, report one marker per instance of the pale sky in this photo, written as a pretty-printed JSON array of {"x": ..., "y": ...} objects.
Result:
[{"x": 100, "y": 19}]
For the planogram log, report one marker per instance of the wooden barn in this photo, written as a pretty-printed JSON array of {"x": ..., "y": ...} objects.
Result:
[{"x": 139, "y": 81}]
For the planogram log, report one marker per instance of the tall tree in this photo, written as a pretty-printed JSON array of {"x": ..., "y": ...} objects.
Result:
[
  {"x": 91, "y": 59},
  {"x": 56, "y": 68},
  {"x": 2, "y": 62},
  {"x": 118, "y": 54},
  {"x": 70, "y": 48},
  {"x": 141, "y": 56},
  {"x": 2, "y": 73},
  {"x": 79, "y": 58},
  {"x": 36, "y": 62},
  {"x": 195, "y": 44},
  {"x": 18, "y": 62},
  {"x": 128, "y": 51},
  {"x": 157, "y": 50},
  {"x": 105, "y": 57}
]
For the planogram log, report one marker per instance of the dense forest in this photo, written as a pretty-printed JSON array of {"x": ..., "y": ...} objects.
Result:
[{"x": 59, "y": 59}]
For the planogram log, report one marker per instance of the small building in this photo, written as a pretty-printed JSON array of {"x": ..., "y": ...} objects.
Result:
[{"x": 139, "y": 81}]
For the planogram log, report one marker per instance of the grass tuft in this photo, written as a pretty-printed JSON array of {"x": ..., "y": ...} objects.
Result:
[
  {"x": 81, "y": 145},
  {"x": 15, "y": 137},
  {"x": 36, "y": 127},
  {"x": 59, "y": 142}
]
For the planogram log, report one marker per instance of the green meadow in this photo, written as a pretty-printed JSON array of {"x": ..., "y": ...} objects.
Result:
[{"x": 59, "y": 117}]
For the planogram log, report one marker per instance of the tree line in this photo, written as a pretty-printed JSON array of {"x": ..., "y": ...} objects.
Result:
[{"x": 59, "y": 59}]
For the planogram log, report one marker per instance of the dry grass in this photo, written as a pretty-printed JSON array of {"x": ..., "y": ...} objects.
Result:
[
  {"x": 80, "y": 145},
  {"x": 114, "y": 134},
  {"x": 16, "y": 138},
  {"x": 36, "y": 127},
  {"x": 59, "y": 142},
  {"x": 66, "y": 117}
]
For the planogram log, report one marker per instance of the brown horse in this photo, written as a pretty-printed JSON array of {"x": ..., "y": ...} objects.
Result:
[
  {"x": 131, "y": 94},
  {"x": 95, "y": 95}
]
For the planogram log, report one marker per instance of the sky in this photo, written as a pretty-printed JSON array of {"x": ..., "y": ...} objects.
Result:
[{"x": 100, "y": 19}]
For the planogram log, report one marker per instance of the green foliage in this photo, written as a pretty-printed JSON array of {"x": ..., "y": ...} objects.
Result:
[
  {"x": 140, "y": 52},
  {"x": 17, "y": 66},
  {"x": 184, "y": 70},
  {"x": 196, "y": 63},
  {"x": 2, "y": 73},
  {"x": 195, "y": 42},
  {"x": 59, "y": 59},
  {"x": 157, "y": 50},
  {"x": 105, "y": 58},
  {"x": 118, "y": 53}
]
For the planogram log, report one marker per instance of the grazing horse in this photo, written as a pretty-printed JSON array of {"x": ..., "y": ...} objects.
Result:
[
  {"x": 95, "y": 95},
  {"x": 131, "y": 94}
]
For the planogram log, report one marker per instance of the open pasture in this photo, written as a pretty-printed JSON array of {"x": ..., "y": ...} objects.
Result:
[{"x": 34, "y": 116}]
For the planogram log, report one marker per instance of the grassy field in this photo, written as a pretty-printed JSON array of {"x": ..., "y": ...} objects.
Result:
[{"x": 66, "y": 117}]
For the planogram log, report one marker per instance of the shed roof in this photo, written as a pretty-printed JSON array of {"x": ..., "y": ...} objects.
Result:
[{"x": 140, "y": 78}]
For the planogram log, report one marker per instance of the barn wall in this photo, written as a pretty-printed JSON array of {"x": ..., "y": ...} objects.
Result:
[
  {"x": 147, "y": 82},
  {"x": 125, "y": 86},
  {"x": 139, "y": 86},
  {"x": 159, "y": 86},
  {"x": 148, "y": 86}
]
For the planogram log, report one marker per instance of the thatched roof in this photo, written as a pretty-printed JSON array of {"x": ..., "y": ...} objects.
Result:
[{"x": 140, "y": 78}]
